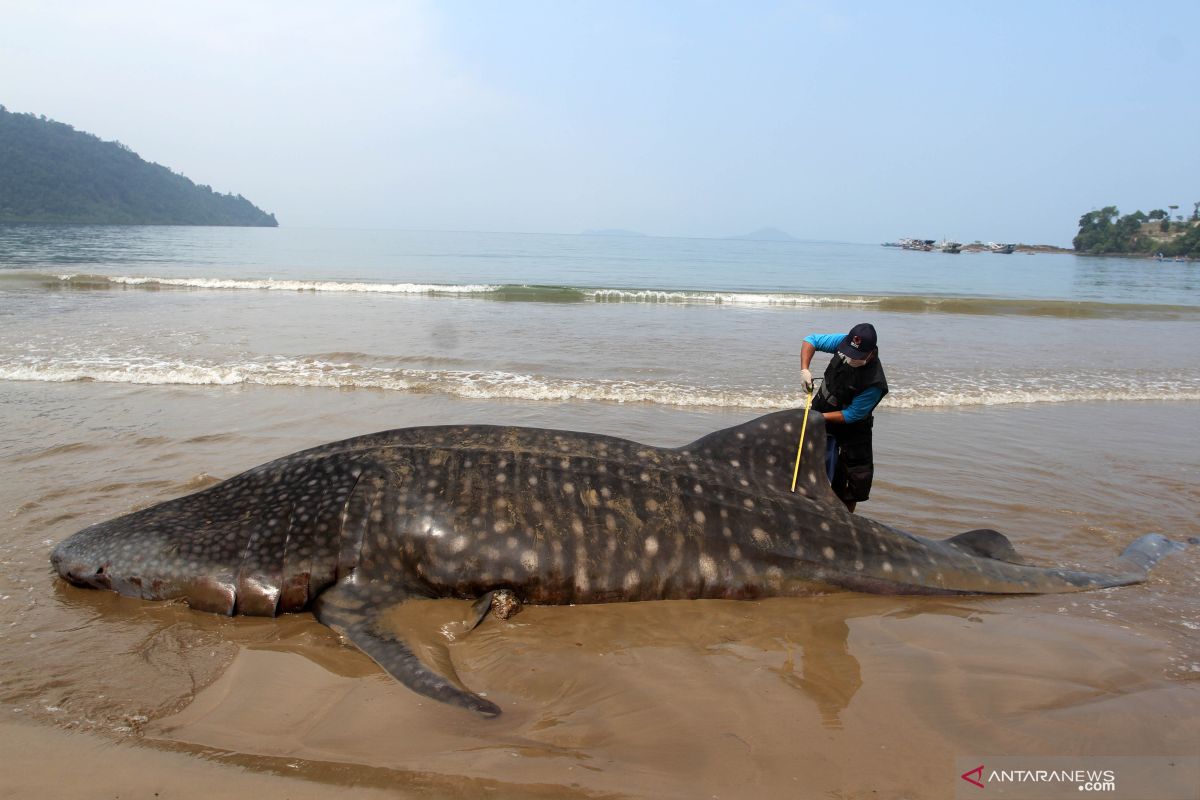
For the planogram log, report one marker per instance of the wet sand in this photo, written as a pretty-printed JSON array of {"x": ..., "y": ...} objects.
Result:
[{"x": 842, "y": 695}]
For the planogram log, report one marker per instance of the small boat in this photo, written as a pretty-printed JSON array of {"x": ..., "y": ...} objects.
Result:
[
  {"x": 1001, "y": 248},
  {"x": 947, "y": 246}
]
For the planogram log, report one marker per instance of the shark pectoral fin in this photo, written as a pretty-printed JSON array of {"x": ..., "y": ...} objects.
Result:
[
  {"x": 348, "y": 610},
  {"x": 986, "y": 543}
]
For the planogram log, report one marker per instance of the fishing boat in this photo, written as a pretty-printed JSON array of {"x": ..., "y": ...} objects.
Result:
[
  {"x": 1000, "y": 248},
  {"x": 947, "y": 246}
]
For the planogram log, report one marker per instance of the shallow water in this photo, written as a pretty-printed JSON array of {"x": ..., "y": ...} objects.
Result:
[{"x": 783, "y": 697}]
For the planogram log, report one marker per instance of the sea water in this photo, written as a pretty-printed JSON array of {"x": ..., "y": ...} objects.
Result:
[{"x": 674, "y": 322}]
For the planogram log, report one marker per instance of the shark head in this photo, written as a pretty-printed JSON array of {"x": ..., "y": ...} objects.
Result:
[{"x": 133, "y": 555}]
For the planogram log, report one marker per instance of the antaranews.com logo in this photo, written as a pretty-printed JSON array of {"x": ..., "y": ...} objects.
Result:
[
  {"x": 1056, "y": 778},
  {"x": 1086, "y": 780}
]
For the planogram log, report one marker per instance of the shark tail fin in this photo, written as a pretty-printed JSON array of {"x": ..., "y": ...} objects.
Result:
[
  {"x": 1144, "y": 552},
  {"x": 764, "y": 451}
]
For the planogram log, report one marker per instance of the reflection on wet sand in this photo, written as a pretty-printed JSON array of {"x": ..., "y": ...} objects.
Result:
[{"x": 668, "y": 696}]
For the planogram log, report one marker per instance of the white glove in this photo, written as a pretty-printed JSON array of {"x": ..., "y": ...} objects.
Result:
[{"x": 806, "y": 380}]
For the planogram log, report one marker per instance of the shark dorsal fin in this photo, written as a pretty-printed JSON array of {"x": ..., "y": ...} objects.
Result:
[
  {"x": 763, "y": 451},
  {"x": 986, "y": 543}
]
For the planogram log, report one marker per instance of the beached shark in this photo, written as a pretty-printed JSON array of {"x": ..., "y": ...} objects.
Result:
[{"x": 352, "y": 528}]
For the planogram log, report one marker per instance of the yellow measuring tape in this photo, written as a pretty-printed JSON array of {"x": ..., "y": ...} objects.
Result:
[{"x": 800, "y": 447}]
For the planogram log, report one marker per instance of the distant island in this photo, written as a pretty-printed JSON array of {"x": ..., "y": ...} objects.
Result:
[
  {"x": 766, "y": 235},
  {"x": 1105, "y": 232},
  {"x": 610, "y": 232},
  {"x": 52, "y": 173}
]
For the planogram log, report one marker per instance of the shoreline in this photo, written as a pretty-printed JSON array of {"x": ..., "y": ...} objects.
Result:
[{"x": 1034, "y": 249}]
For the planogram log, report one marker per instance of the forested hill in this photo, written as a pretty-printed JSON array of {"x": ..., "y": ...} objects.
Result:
[{"x": 50, "y": 172}]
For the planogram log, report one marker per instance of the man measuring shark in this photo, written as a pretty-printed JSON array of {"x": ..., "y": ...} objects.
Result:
[{"x": 853, "y": 385}]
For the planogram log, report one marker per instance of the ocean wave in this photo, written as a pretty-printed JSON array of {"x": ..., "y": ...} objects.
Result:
[
  {"x": 500, "y": 385},
  {"x": 296, "y": 285},
  {"x": 508, "y": 292},
  {"x": 725, "y": 298}
]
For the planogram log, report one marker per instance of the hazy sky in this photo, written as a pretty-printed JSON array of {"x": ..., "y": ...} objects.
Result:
[{"x": 855, "y": 121}]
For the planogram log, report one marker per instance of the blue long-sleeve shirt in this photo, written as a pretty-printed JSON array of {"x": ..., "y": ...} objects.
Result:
[{"x": 865, "y": 401}]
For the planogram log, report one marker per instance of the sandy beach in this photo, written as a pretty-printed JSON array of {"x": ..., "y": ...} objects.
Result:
[{"x": 843, "y": 695}]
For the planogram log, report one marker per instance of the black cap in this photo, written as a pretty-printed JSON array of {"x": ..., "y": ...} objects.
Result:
[{"x": 860, "y": 342}]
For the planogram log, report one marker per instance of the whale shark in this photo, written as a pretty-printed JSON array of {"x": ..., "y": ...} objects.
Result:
[{"x": 525, "y": 515}]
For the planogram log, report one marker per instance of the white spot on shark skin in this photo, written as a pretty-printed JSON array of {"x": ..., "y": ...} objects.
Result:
[
  {"x": 568, "y": 487},
  {"x": 748, "y": 503},
  {"x": 734, "y": 463},
  {"x": 761, "y": 537},
  {"x": 644, "y": 477},
  {"x": 577, "y": 526},
  {"x": 651, "y": 546},
  {"x": 825, "y": 527},
  {"x": 735, "y": 553},
  {"x": 708, "y": 568},
  {"x": 699, "y": 517},
  {"x": 501, "y": 527},
  {"x": 828, "y": 553},
  {"x": 887, "y": 566},
  {"x": 858, "y": 565},
  {"x": 501, "y": 478},
  {"x": 632, "y": 579},
  {"x": 529, "y": 560},
  {"x": 459, "y": 544},
  {"x": 533, "y": 481},
  {"x": 652, "y": 505}
]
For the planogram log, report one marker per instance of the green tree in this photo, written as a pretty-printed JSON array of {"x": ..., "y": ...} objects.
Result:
[{"x": 50, "y": 172}]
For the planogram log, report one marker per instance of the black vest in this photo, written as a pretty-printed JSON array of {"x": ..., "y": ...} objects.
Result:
[{"x": 842, "y": 384}]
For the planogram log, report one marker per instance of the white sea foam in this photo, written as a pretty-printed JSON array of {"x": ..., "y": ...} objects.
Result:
[
  {"x": 724, "y": 298},
  {"x": 498, "y": 384},
  {"x": 298, "y": 286},
  {"x": 603, "y": 295}
]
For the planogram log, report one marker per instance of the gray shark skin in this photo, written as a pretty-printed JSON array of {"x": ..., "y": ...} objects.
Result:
[{"x": 354, "y": 527}]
